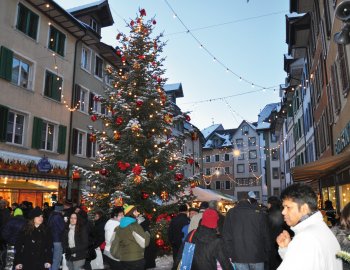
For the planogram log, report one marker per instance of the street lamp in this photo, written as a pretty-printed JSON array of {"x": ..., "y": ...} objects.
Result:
[{"x": 342, "y": 12}]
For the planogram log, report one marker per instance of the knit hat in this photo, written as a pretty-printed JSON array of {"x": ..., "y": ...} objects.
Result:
[
  {"x": 251, "y": 194},
  {"x": 204, "y": 205},
  {"x": 129, "y": 209},
  {"x": 36, "y": 212},
  {"x": 210, "y": 219},
  {"x": 18, "y": 212}
]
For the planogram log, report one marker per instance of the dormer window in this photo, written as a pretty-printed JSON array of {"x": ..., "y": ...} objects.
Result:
[
  {"x": 245, "y": 130},
  {"x": 93, "y": 24}
]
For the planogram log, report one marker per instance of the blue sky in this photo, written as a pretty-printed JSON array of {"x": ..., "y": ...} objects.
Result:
[{"x": 251, "y": 47}]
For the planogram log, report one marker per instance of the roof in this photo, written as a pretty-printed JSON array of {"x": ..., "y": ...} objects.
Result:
[
  {"x": 175, "y": 88},
  {"x": 209, "y": 130},
  {"x": 315, "y": 170},
  {"x": 100, "y": 9},
  {"x": 266, "y": 112}
]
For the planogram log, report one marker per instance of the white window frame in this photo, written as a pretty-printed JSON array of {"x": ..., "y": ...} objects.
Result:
[
  {"x": 81, "y": 143},
  {"x": 93, "y": 24},
  {"x": 96, "y": 75},
  {"x": 14, "y": 128},
  {"x": 250, "y": 143},
  {"x": 84, "y": 100},
  {"x": 206, "y": 159},
  {"x": 30, "y": 72},
  {"x": 251, "y": 152},
  {"x": 86, "y": 63},
  {"x": 54, "y": 136},
  {"x": 253, "y": 167},
  {"x": 240, "y": 166}
]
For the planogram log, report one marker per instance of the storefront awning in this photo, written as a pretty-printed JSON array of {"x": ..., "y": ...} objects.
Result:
[
  {"x": 26, "y": 186},
  {"x": 315, "y": 170}
]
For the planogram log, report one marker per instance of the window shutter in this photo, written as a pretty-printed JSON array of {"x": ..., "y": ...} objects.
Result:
[
  {"x": 36, "y": 136},
  {"x": 344, "y": 72},
  {"x": 62, "y": 134},
  {"x": 91, "y": 102},
  {"x": 74, "y": 141},
  {"x": 61, "y": 42},
  {"x": 76, "y": 96},
  {"x": 33, "y": 24},
  {"x": 4, "y": 111},
  {"x": 88, "y": 146},
  {"x": 6, "y": 58},
  {"x": 335, "y": 88}
]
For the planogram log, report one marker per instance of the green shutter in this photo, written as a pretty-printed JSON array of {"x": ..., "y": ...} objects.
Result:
[
  {"x": 62, "y": 132},
  {"x": 36, "y": 136},
  {"x": 33, "y": 25},
  {"x": 4, "y": 111},
  {"x": 6, "y": 58},
  {"x": 60, "y": 43}
]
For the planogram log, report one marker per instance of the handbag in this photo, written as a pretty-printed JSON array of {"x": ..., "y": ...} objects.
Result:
[
  {"x": 98, "y": 262},
  {"x": 187, "y": 254}
]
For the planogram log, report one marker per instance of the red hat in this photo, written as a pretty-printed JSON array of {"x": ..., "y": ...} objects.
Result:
[{"x": 210, "y": 218}]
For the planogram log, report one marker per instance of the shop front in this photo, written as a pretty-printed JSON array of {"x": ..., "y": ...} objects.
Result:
[{"x": 330, "y": 178}]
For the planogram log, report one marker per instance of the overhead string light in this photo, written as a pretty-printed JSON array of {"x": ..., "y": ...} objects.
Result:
[{"x": 215, "y": 59}]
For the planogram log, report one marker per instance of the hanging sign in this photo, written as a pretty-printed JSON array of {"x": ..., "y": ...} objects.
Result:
[{"x": 44, "y": 165}]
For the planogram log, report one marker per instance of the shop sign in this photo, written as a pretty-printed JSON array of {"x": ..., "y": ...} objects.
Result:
[
  {"x": 343, "y": 140},
  {"x": 44, "y": 165}
]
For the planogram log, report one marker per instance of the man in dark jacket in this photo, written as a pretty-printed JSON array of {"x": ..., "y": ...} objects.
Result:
[
  {"x": 56, "y": 224},
  {"x": 246, "y": 235},
  {"x": 175, "y": 233}
]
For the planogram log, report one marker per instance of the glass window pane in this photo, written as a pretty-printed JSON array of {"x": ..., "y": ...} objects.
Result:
[
  {"x": 15, "y": 70},
  {"x": 24, "y": 75},
  {"x": 19, "y": 129},
  {"x": 43, "y": 136},
  {"x": 50, "y": 135},
  {"x": 10, "y": 123}
]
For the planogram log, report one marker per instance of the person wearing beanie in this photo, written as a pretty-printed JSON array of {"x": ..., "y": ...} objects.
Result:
[
  {"x": 10, "y": 233},
  {"x": 34, "y": 244},
  {"x": 175, "y": 233},
  {"x": 210, "y": 247},
  {"x": 56, "y": 224},
  {"x": 116, "y": 215},
  {"x": 131, "y": 240}
]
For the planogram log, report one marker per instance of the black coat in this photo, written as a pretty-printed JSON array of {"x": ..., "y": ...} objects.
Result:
[
  {"x": 81, "y": 239},
  {"x": 175, "y": 233},
  {"x": 33, "y": 250},
  {"x": 151, "y": 249},
  {"x": 209, "y": 248},
  {"x": 12, "y": 229},
  {"x": 98, "y": 232},
  {"x": 246, "y": 233}
]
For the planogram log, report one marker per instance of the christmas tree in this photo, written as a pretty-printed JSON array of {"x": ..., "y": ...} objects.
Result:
[{"x": 139, "y": 159}]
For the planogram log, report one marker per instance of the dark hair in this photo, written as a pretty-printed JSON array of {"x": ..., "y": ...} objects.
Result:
[
  {"x": 183, "y": 208},
  {"x": 345, "y": 217},
  {"x": 204, "y": 205},
  {"x": 115, "y": 211},
  {"x": 79, "y": 223},
  {"x": 99, "y": 212},
  {"x": 273, "y": 200},
  {"x": 328, "y": 205},
  {"x": 300, "y": 194}
]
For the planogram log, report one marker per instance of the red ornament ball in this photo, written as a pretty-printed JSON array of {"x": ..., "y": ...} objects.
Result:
[
  {"x": 119, "y": 52},
  {"x": 160, "y": 242},
  {"x": 139, "y": 103},
  {"x": 132, "y": 23},
  {"x": 93, "y": 118},
  {"x": 154, "y": 22},
  {"x": 143, "y": 12},
  {"x": 103, "y": 172},
  {"x": 118, "y": 36},
  {"x": 179, "y": 176},
  {"x": 144, "y": 195},
  {"x": 119, "y": 120},
  {"x": 187, "y": 117}
]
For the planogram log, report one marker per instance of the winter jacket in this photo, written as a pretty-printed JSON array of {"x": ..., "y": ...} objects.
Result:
[
  {"x": 151, "y": 250},
  {"x": 129, "y": 249},
  {"x": 175, "y": 233},
  {"x": 313, "y": 247},
  {"x": 56, "y": 224},
  {"x": 209, "y": 248},
  {"x": 110, "y": 226},
  {"x": 246, "y": 233},
  {"x": 33, "y": 250},
  {"x": 342, "y": 237},
  {"x": 81, "y": 239},
  {"x": 12, "y": 229},
  {"x": 98, "y": 232}
]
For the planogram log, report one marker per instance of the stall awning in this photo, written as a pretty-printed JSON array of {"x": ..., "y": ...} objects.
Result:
[{"x": 315, "y": 170}]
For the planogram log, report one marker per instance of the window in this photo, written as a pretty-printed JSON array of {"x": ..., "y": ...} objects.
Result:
[
  {"x": 53, "y": 86},
  {"x": 273, "y": 137},
  {"x": 253, "y": 167},
  {"x": 83, "y": 100},
  {"x": 276, "y": 192},
  {"x": 15, "y": 128},
  {"x": 217, "y": 158},
  {"x": 241, "y": 156},
  {"x": 239, "y": 143},
  {"x": 91, "y": 147},
  {"x": 93, "y": 25},
  {"x": 207, "y": 171},
  {"x": 252, "y": 154},
  {"x": 47, "y": 136},
  {"x": 86, "y": 59},
  {"x": 57, "y": 41},
  {"x": 20, "y": 72},
  {"x": 227, "y": 170},
  {"x": 275, "y": 173},
  {"x": 274, "y": 154},
  {"x": 217, "y": 184},
  {"x": 98, "y": 67},
  {"x": 227, "y": 185},
  {"x": 207, "y": 159},
  {"x": 27, "y": 21},
  {"x": 80, "y": 143},
  {"x": 240, "y": 168},
  {"x": 252, "y": 141},
  {"x": 245, "y": 130},
  {"x": 227, "y": 157}
]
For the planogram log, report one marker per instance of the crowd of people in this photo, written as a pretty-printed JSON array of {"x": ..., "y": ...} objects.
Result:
[{"x": 290, "y": 233}]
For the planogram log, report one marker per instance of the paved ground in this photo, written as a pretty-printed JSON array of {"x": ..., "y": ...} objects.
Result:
[{"x": 163, "y": 263}]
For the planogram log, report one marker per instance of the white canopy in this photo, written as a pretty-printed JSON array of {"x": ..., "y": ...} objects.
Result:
[{"x": 210, "y": 195}]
